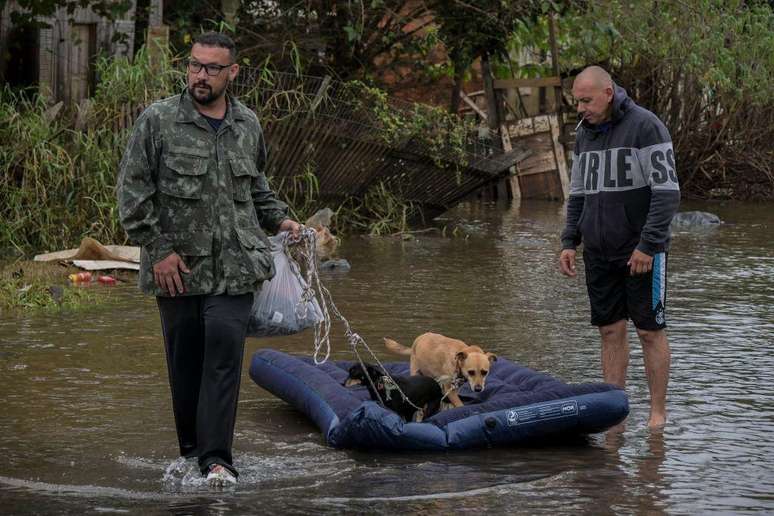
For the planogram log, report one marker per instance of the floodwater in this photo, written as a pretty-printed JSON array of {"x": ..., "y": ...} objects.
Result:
[{"x": 87, "y": 427}]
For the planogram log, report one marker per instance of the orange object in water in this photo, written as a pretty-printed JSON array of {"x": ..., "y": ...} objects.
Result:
[
  {"x": 107, "y": 280},
  {"x": 80, "y": 277}
]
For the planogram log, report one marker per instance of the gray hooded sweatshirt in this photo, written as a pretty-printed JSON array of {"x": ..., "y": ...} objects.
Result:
[{"x": 623, "y": 187}]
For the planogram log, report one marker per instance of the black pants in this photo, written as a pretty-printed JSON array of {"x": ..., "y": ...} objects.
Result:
[{"x": 204, "y": 337}]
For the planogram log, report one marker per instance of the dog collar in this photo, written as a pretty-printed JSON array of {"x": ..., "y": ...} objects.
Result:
[
  {"x": 389, "y": 386},
  {"x": 459, "y": 380}
]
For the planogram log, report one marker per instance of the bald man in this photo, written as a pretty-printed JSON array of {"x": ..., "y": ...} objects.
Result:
[{"x": 623, "y": 195}]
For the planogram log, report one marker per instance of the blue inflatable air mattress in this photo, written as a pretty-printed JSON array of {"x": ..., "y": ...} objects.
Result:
[{"x": 518, "y": 406}]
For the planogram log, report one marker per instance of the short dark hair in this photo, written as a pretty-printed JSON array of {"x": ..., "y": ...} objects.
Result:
[{"x": 217, "y": 39}]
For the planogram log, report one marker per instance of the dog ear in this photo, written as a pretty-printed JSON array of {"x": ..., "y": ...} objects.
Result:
[
  {"x": 492, "y": 357},
  {"x": 461, "y": 356}
]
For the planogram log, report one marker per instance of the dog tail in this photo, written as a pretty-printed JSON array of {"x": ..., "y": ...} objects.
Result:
[{"x": 396, "y": 348}]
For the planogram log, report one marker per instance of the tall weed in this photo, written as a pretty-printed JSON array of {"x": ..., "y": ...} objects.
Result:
[{"x": 57, "y": 183}]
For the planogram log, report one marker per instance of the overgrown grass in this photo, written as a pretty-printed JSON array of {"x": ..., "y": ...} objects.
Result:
[
  {"x": 381, "y": 212},
  {"x": 58, "y": 173},
  {"x": 300, "y": 193},
  {"x": 26, "y": 286},
  {"x": 57, "y": 183},
  {"x": 441, "y": 136}
]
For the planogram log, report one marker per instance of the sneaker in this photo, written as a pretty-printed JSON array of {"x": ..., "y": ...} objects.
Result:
[{"x": 219, "y": 476}]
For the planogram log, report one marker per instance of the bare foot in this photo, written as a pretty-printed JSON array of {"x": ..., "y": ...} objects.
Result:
[
  {"x": 614, "y": 436},
  {"x": 657, "y": 421},
  {"x": 617, "y": 429}
]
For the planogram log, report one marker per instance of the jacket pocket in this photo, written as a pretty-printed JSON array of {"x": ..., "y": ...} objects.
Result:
[
  {"x": 182, "y": 173},
  {"x": 620, "y": 235},
  {"x": 242, "y": 173},
  {"x": 587, "y": 224},
  {"x": 195, "y": 249},
  {"x": 257, "y": 252}
]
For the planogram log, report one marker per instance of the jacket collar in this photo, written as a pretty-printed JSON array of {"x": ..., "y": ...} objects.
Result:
[
  {"x": 621, "y": 104},
  {"x": 187, "y": 112}
]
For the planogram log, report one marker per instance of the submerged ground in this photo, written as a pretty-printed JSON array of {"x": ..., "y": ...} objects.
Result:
[{"x": 87, "y": 425}]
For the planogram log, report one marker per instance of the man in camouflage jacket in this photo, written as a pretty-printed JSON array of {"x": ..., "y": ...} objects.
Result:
[{"x": 192, "y": 192}]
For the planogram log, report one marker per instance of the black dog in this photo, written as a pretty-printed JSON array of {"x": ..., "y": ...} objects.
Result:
[{"x": 423, "y": 392}]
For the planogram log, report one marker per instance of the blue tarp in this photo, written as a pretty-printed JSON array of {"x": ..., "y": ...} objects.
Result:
[{"x": 518, "y": 406}]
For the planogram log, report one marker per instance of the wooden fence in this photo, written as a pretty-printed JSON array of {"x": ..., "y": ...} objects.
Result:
[{"x": 314, "y": 123}]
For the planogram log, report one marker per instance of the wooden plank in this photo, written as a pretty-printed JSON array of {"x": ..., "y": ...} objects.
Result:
[
  {"x": 473, "y": 105},
  {"x": 536, "y": 171},
  {"x": 512, "y": 179},
  {"x": 541, "y": 82},
  {"x": 561, "y": 160},
  {"x": 529, "y": 126},
  {"x": 79, "y": 65},
  {"x": 558, "y": 107},
  {"x": 542, "y": 159},
  {"x": 501, "y": 162},
  {"x": 320, "y": 93},
  {"x": 493, "y": 120},
  {"x": 541, "y": 186}
]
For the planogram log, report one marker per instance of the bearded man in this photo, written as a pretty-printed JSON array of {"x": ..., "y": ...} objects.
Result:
[{"x": 193, "y": 194}]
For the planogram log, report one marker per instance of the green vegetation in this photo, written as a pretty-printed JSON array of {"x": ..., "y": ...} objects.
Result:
[
  {"x": 440, "y": 134},
  {"x": 706, "y": 67},
  {"x": 380, "y": 213},
  {"x": 57, "y": 183},
  {"x": 28, "y": 286}
]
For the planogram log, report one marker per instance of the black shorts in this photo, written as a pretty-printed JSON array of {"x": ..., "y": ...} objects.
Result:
[{"x": 616, "y": 295}]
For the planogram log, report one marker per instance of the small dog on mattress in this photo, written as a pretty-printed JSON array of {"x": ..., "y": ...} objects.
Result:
[
  {"x": 423, "y": 393},
  {"x": 448, "y": 361}
]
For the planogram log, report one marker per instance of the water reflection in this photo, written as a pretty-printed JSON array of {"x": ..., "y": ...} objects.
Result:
[
  {"x": 641, "y": 485},
  {"x": 87, "y": 428}
]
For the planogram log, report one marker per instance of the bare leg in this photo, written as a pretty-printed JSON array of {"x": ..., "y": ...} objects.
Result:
[
  {"x": 615, "y": 361},
  {"x": 615, "y": 353},
  {"x": 655, "y": 351}
]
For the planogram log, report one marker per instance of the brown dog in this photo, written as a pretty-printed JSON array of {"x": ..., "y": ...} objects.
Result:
[
  {"x": 325, "y": 242},
  {"x": 446, "y": 360}
]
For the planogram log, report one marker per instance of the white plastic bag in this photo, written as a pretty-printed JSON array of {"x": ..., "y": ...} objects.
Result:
[{"x": 278, "y": 308}]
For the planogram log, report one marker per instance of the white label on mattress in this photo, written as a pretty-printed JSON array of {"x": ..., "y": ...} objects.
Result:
[
  {"x": 533, "y": 413},
  {"x": 276, "y": 318}
]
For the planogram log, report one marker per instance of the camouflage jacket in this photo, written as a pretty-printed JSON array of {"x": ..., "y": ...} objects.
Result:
[{"x": 185, "y": 188}]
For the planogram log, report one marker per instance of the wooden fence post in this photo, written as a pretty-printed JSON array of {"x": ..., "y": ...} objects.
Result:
[
  {"x": 157, "y": 43},
  {"x": 555, "y": 64},
  {"x": 493, "y": 120}
]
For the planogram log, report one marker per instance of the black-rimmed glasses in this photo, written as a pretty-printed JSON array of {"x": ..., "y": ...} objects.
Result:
[{"x": 212, "y": 69}]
